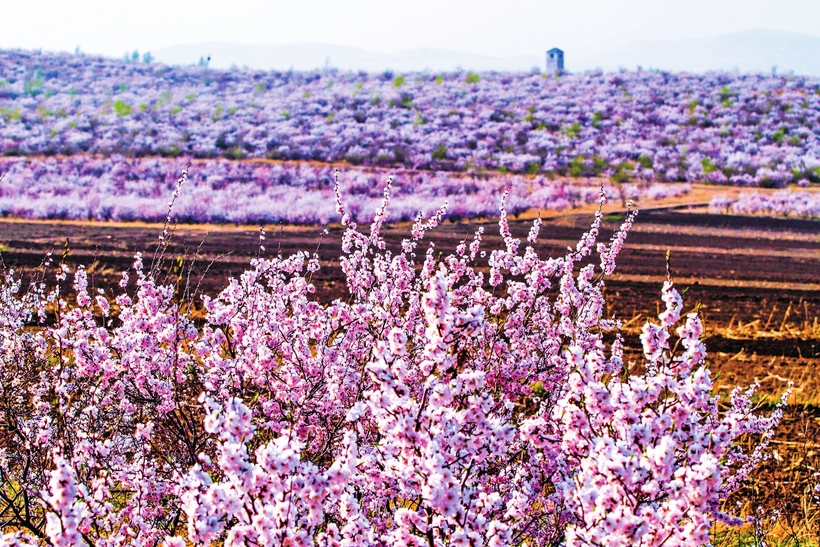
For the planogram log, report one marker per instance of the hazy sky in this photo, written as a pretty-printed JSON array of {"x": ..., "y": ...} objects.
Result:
[{"x": 489, "y": 27}]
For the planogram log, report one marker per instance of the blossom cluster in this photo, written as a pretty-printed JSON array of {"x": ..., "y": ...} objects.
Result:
[
  {"x": 247, "y": 192},
  {"x": 460, "y": 399},
  {"x": 780, "y": 203},
  {"x": 719, "y": 127}
]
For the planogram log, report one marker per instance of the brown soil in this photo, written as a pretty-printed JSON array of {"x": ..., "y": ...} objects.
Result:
[{"x": 748, "y": 276}]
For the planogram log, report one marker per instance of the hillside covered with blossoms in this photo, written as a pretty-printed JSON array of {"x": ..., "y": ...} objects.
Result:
[{"x": 717, "y": 127}]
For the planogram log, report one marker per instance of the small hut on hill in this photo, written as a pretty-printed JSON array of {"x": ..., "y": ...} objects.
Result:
[{"x": 555, "y": 60}]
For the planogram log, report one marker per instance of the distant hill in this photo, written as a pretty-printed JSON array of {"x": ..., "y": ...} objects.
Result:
[
  {"x": 312, "y": 56},
  {"x": 749, "y": 51}
]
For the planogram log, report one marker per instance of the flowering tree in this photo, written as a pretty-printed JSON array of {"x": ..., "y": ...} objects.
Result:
[
  {"x": 781, "y": 202},
  {"x": 458, "y": 399},
  {"x": 120, "y": 189}
]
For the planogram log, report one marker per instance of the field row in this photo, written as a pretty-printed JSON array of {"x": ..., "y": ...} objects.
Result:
[
  {"x": 741, "y": 270},
  {"x": 269, "y": 192}
]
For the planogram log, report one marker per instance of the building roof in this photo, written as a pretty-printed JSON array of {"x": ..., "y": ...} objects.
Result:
[{"x": 555, "y": 50}]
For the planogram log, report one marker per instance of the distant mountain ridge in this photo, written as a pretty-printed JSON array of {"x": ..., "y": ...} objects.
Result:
[
  {"x": 748, "y": 51},
  {"x": 313, "y": 56}
]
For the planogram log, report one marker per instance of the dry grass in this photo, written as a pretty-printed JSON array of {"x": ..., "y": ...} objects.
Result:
[
  {"x": 780, "y": 504},
  {"x": 797, "y": 322}
]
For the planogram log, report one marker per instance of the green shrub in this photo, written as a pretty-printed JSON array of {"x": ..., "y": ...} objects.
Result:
[
  {"x": 530, "y": 112},
  {"x": 623, "y": 172},
  {"x": 122, "y": 108},
  {"x": 440, "y": 152},
  {"x": 472, "y": 78},
  {"x": 726, "y": 96},
  {"x": 576, "y": 166},
  {"x": 399, "y": 81},
  {"x": 173, "y": 152},
  {"x": 406, "y": 101},
  {"x": 34, "y": 87},
  {"x": 235, "y": 153},
  {"x": 708, "y": 166},
  {"x": 573, "y": 130}
]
